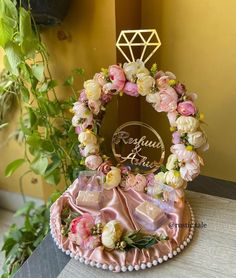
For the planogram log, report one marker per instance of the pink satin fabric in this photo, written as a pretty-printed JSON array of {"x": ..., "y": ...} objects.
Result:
[{"x": 118, "y": 204}]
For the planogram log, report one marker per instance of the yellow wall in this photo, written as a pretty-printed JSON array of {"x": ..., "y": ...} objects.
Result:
[{"x": 199, "y": 46}]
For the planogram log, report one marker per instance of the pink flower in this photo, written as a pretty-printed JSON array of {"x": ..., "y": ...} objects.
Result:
[
  {"x": 163, "y": 82},
  {"x": 117, "y": 77},
  {"x": 168, "y": 100},
  {"x": 80, "y": 230},
  {"x": 141, "y": 182},
  {"x": 105, "y": 167},
  {"x": 92, "y": 242},
  {"x": 137, "y": 182},
  {"x": 94, "y": 106},
  {"x": 131, "y": 89},
  {"x": 82, "y": 96},
  {"x": 106, "y": 97},
  {"x": 176, "y": 137},
  {"x": 189, "y": 162},
  {"x": 180, "y": 88},
  {"x": 150, "y": 179},
  {"x": 86, "y": 123},
  {"x": 172, "y": 117},
  {"x": 93, "y": 161},
  {"x": 187, "y": 108},
  {"x": 125, "y": 170},
  {"x": 100, "y": 78}
]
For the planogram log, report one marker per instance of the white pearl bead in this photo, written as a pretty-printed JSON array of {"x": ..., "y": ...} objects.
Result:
[
  {"x": 191, "y": 233},
  {"x": 170, "y": 255},
  {"x": 63, "y": 250},
  {"x": 190, "y": 236},
  {"x": 92, "y": 263},
  {"x": 178, "y": 250},
  {"x": 124, "y": 268},
  {"x": 117, "y": 268},
  {"x": 174, "y": 252},
  {"x": 143, "y": 266},
  {"x": 77, "y": 257},
  {"x": 149, "y": 264},
  {"x": 136, "y": 267},
  {"x": 188, "y": 240},
  {"x": 181, "y": 246},
  {"x": 192, "y": 229},
  {"x": 160, "y": 260},
  {"x": 104, "y": 266},
  {"x": 130, "y": 268},
  {"x": 87, "y": 262},
  {"x": 165, "y": 258},
  {"x": 59, "y": 247},
  {"x": 67, "y": 252},
  {"x": 185, "y": 243},
  {"x": 111, "y": 267},
  {"x": 154, "y": 262},
  {"x": 81, "y": 259},
  {"x": 98, "y": 265},
  {"x": 72, "y": 255}
]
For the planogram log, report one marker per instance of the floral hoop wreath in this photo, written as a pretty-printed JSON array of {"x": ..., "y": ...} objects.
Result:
[{"x": 166, "y": 94}]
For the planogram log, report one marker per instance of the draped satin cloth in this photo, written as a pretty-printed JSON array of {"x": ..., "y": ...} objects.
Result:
[{"x": 120, "y": 205}]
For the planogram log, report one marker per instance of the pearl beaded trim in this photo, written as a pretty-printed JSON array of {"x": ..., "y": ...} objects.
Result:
[{"x": 136, "y": 267}]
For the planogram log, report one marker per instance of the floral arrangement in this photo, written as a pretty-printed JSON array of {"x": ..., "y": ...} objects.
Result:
[
  {"x": 88, "y": 233},
  {"x": 166, "y": 94}
]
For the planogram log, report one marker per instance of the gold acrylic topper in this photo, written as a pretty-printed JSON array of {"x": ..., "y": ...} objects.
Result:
[
  {"x": 132, "y": 38},
  {"x": 138, "y": 153}
]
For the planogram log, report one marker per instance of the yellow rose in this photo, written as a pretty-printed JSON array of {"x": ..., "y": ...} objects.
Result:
[
  {"x": 92, "y": 90},
  {"x": 160, "y": 177},
  {"x": 113, "y": 178},
  {"x": 111, "y": 233},
  {"x": 87, "y": 137},
  {"x": 134, "y": 69},
  {"x": 145, "y": 84}
]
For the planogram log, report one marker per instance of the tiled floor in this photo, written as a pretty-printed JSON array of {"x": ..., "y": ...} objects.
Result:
[{"x": 6, "y": 219}]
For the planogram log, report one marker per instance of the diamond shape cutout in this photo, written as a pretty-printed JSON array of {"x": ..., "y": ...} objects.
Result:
[{"x": 145, "y": 39}]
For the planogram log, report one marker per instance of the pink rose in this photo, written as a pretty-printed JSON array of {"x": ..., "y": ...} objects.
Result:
[
  {"x": 93, "y": 161},
  {"x": 137, "y": 182},
  {"x": 131, "y": 89},
  {"x": 80, "y": 229},
  {"x": 100, "y": 78},
  {"x": 85, "y": 124},
  {"x": 180, "y": 88},
  {"x": 82, "y": 96},
  {"x": 117, "y": 77},
  {"x": 94, "y": 106},
  {"x": 105, "y": 167},
  {"x": 187, "y": 108},
  {"x": 172, "y": 117},
  {"x": 189, "y": 162},
  {"x": 92, "y": 242},
  {"x": 168, "y": 100},
  {"x": 163, "y": 82},
  {"x": 176, "y": 137},
  {"x": 140, "y": 184},
  {"x": 125, "y": 170},
  {"x": 150, "y": 179}
]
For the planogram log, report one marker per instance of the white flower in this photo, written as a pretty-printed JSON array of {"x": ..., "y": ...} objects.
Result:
[
  {"x": 160, "y": 177},
  {"x": 81, "y": 110},
  {"x": 171, "y": 162},
  {"x": 111, "y": 233},
  {"x": 91, "y": 149},
  {"x": 133, "y": 69},
  {"x": 153, "y": 98},
  {"x": 196, "y": 139},
  {"x": 187, "y": 124},
  {"x": 145, "y": 84},
  {"x": 92, "y": 90},
  {"x": 113, "y": 178},
  {"x": 173, "y": 178},
  {"x": 87, "y": 137},
  {"x": 76, "y": 120}
]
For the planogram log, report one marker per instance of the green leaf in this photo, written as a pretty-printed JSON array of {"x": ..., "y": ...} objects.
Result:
[
  {"x": 69, "y": 81},
  {"x": 38, "y": 71},
  {"x": 79, "y": 71},
  {"x": 25, "y": 94},
  {"x": 8, "y": 21},
  {"x": 28, "y": 39},
  {"x": 39, "y": 165},
  {"x": 13, "y": 57},
  {"x": 13, "y": 166},
  {"x": 54, "y": 177},
  {"x": 3, "y": 125},
  {"x": 32, "y": 117},
  {"x": 25, "y": 209}
]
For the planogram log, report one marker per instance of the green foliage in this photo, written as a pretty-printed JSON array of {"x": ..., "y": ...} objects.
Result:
[
  {"x": 20, "y": 242},
  {"x": 45, "y": 125}
]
